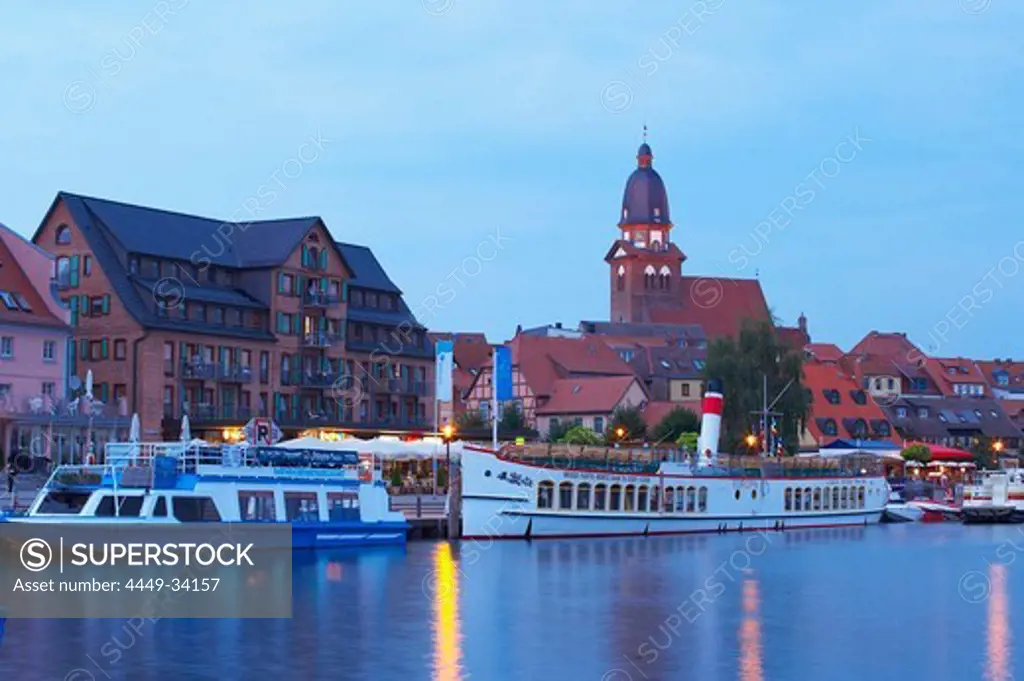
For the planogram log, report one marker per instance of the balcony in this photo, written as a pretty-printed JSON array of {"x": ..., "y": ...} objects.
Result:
[
  {"x": 390, "y": 346},
  {"x": 46, "y": 409},
  {"x": 323, "y": 418},
  {"x": 234, "y": 373},
  {"x": 316, "y": 379},
  {"x": 320, "y": 340},
  {"x": 211, "y": 414},
  {"x": 200, "y": 370},
  {"x": 319, "y": 299}
]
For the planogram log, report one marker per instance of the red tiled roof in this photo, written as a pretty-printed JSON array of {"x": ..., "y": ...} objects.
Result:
[
  {"x": 889, "y": 346},
  {"x": 718, "y": 304},
  {"x": 13, "y": 279},
  {"x": 820, "y": 376},
  {"x": 543, "y": 360},
  {"x": 1014, "y": 371},
  {"x": 1013, "y": 408},
  {"x": 654, "y": 412},
  {"x": 964, "y": 370},
  {"x": 599, "y": 395},
  {"x": 793, "y": 336},
  {"x": 826, "y": 352}
]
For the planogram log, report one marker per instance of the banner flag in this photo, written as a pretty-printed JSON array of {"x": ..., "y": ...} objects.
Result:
[
  {"x": 503, "y": 372},
  {"x": 443, "y": 368}
]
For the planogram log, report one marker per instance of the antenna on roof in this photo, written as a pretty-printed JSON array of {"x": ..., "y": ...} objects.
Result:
[{"x": 645, "y": 132}]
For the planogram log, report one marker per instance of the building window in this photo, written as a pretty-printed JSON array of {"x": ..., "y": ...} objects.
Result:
[
  {"x": 7, "y": 347},
  {"x": 50, "y": 389},
  {"x": 197, "y": 312},
  {"x": 234, "y": 317},
  {"x": 684, "y": 390},
  {"x": 62, "y": 237},
  {"x": 49, "y": 350},
  {"x": 133, "y": 264},
  {"x": 217, "y": 315},
  {"x": 120, "y": 348},
  {"x": 598, "y": 424},
  {"x": 63, "y": 271},
  {"x": 86, "y": 265}
]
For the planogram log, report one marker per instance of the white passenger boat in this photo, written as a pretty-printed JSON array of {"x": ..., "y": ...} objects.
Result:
[
  {"x": 330, "y": 498},
  {"x": 560, "y": 491}
]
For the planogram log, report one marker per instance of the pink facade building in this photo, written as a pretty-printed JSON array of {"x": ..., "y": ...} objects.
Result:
[{"x": 38, "y": 416}]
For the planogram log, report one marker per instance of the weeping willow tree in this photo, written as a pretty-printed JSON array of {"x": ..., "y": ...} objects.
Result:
[{"x": 741, "y": 364}]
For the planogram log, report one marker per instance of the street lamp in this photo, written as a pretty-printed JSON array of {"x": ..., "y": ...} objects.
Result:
[
  {"x": 447, "y": 433},
  {"x": 751, "y": 440},
  {"x": 997, "y": 446},
  {"x": 620, "y": 432}
]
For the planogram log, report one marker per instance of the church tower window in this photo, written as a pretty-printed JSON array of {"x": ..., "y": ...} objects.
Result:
[
  {"x": 620, "y": 283},
  {"x": 665, "y": 278},
  {"x": 649, "y": 277}
]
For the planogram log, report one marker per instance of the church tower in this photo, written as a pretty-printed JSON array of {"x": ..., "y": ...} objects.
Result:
[{"x": 645, "y": 264}]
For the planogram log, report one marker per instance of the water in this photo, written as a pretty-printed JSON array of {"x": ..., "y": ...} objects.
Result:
[{"x": 936, "y": 602}]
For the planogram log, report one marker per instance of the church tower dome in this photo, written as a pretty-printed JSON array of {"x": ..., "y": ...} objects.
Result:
[{"x": 645, "y": 201}]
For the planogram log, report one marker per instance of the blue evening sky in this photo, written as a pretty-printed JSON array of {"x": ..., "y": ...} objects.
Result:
[{"x": 448, "y": 124}]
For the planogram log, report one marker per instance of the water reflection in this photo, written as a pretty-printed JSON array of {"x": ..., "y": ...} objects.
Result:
[
  {"x": 445, "y": 593},
  {"x": 999, "y": 645},
  {"x": 750, "y": 668}
]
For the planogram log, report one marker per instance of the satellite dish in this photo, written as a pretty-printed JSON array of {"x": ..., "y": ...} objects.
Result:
[{"x": 76, "y": 383}]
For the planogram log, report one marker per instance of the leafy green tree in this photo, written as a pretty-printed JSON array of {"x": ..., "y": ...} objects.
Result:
[
  {"x": 581, "y": 435},
  {"x": 688, "y": 441},
  {"x": 742, "y": 363},
  {"x": 674, "y": 424},
  {"x": 632, "y": 423},
  {"x": 557, "y": 430},
  {"x": 470, "y": 420},
  {"x": 918, "y": 452},
  {"x": 511, "y": 418}
]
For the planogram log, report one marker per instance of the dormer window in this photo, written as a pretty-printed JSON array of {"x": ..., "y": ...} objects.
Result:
[
  {"x": 942, "y": 417},
  {"x": 859, "y": 397},
  {"x": 831, "y": 395},
  {"x": 901, "y": 412},
  {"x": 829, "y": 427},
  {"x": 1002, "y": 378},
  {"x": 62, "y": 236},
  {"x": 922, "y": 412}
]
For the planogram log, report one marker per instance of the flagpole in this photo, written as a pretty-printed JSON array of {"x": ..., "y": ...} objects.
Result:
[{"x": 494, "y": 401}]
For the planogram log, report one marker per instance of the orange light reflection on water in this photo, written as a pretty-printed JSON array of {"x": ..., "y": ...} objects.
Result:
[
  {"x": 445, "y": 593},
  {"x": 750, "y": 634},
  {"x": 998, "y": 627}
]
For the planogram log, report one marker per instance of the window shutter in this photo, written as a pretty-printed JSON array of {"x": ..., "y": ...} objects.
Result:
[
  {"x": 103, "y": 349},
  {"x": 323, "y": 284},
  {"x": 280, "y": 282},
  {"x": 305, "y": 256},
  {"x": 83, "y": 347},
  {"x": 344, "y": 291},
  {"x": 83, "y": 306},
  {"x": 297, "y": 324},
  {"x": 72, "y": 356},
  {"x": 74, "y": 271},
  {"x": 300, "y": 286},
  {"x": 323, "y": 259},
  {"x": 74, "y": 314},
  {"x": 106, "y": 304}
]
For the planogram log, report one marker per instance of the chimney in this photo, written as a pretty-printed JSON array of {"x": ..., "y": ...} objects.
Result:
[
  {"x": 558, "y": 325},
  {"x": 801, "y": 322}
]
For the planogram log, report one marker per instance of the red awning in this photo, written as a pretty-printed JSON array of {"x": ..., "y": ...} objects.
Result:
[{"x": 940, "y": 453}]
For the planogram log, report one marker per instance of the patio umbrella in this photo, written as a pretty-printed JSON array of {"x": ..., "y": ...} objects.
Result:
[
  {"x": 135, "y": 430},
  {"x": 88, "y": 384},
  {"x": 186, "y": 432}
]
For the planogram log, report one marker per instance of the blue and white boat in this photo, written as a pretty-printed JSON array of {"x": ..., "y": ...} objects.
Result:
[{"x": 331, "y": 498}]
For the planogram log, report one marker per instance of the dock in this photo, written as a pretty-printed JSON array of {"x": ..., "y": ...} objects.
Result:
[{"x": 432, "y": 516}]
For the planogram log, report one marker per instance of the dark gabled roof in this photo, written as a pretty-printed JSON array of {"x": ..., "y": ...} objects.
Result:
[
  {"x": 383, "y": 317},
  {"x": 191, "y": 238},
  {"x": 216, "y": 295},
  {"x": 366, "y": 269}
]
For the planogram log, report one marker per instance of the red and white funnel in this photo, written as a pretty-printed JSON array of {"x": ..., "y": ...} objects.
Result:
[{"x": 710, "y": 423}]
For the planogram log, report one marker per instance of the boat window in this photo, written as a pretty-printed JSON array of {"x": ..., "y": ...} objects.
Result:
[
  {"x": 64, "y": 503},
  {"x": 860, "y": 497},
  {"x": 583, "y": 497},
  {"x": 129, "y": 506},
  {"x": 807, "y": 499},
  {"x": 256, "y": 506},
  {"x": 641, "y": 499},
  {"x": 301, "y": 507},
  {"x": 669, "y": 499},
  {"x": 546, "y": 494},
  {"x": 195, "y": 509},
  {"x": 691, "y": 499},
  {"x": 680, "y": 499},
  {"x": 599, "y": 501},
  {"x": 614, "y": 497},
  {"x": 826, "y": 497},
  {"x": 160, "y": 508},
  {"x": 835, "y": 498},
  {"x": 343, "y": 506},
  {"x": 702, "y": 500},
  {"x": 565, "y": 495},
  {"x": 655, "y": 493},
  {"x": 798, "y": 500},
  {"x": 629, "y": 498},
  {"x": 843, "y": 498},
  {"x": 789, "y": 498},
  {"x": 817, "y": 498}
]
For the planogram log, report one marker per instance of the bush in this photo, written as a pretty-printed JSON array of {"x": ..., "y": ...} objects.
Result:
[
  {"x": 674, "y": 424},
  {"x": 919, "y": 452},
  {"x": 580, "y": 435}
]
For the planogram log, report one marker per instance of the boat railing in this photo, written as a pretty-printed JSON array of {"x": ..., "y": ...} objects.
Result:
[{"x": 648, "y": 460}]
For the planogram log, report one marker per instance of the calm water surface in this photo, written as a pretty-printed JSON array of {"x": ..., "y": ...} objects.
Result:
[{"x": 936, "y": 602}]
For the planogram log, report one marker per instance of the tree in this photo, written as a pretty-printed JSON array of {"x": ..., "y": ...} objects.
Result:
[
  {"x": 631, "y": 421},
  {"x": 470, "y": 420},
  {"x": 557, "y": 430},
  {"x": 917, "y": 452},
  {"x": 674, "y": 424},
  {"x": 688, "y": 441},
  {"x": 742, "y": 364},
  {"x": 511, "y": 419},
  {"x": 984, "y": 450},
  {"x": 581, "y": 435}
]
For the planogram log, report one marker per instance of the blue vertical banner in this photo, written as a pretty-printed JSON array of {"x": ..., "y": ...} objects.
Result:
[
  {"x": 503, "y": 372},
  {"x": 443, "y": 368}
]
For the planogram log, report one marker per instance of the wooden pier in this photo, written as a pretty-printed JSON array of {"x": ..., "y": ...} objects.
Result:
[{"x": 433, "y": 516}]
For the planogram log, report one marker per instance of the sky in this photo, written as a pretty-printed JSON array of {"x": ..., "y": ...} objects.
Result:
[{"x": 863, "y": 160}]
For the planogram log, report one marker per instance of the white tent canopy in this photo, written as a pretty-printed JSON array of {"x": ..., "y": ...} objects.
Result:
[{"x": 386, "y": 448}]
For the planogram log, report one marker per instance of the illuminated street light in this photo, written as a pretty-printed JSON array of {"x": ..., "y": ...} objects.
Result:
[
  {"x": 620, "y": 432},
  {"x": 997, "y": 446},
  {"x": 751, "y": 441}
]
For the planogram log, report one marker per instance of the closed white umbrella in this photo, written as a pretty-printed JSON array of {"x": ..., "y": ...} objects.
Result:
[
  {"x": 88, "y": 384},
  {"x": 186, "y": 432},
  {"x": 135, "y": 431}
]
